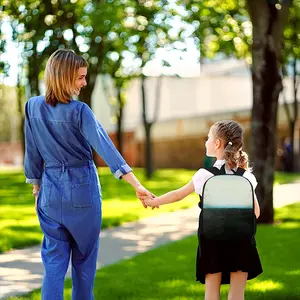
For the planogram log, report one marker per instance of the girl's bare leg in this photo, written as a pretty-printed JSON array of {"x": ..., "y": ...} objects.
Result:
[
  {"x": 212, "y": 286},
  {"x": 238, "y": 282}
]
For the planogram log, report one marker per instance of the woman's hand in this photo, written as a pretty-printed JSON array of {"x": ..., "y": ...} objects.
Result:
[
  {"x": 142, "y": 193},
  {"x": 35, "y": 193},
  {"x": 36, "y": 198}
]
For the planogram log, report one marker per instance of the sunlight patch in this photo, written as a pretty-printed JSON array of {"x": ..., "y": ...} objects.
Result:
[
  {"x": 290, "y": 225},
  {"x": 294, "y": 272},
  {"x": 266, "y": 285},
  {"x": 173, "y": 283}
]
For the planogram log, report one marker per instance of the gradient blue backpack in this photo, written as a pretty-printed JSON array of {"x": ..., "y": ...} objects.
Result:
[{"x": 227, "y": 207}]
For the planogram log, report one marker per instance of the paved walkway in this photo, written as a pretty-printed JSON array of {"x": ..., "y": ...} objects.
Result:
[{"x": 21, "y": 270}]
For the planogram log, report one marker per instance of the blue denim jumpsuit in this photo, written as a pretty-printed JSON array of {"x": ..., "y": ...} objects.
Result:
[{"x": 58, "y": 157}]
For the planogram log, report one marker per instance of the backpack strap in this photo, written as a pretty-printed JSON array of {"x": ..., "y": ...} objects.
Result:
[
  {"x": 216, "y": 171},
  {"x": 213, "y": 170},
  {"x": 222, "y": 170},
  {"x": 239, "y": 171}
]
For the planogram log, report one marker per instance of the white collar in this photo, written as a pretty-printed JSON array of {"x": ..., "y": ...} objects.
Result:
[{"x": 219, "y": 163}]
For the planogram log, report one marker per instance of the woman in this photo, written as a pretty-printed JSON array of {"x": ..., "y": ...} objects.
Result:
[{"x": 59, "y": 134}]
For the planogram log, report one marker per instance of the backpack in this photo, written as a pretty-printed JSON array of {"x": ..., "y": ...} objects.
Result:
[{"x": 227, "y": 207}]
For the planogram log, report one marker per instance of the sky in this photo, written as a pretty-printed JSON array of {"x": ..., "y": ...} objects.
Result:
[{"x": 11, "y": 55}]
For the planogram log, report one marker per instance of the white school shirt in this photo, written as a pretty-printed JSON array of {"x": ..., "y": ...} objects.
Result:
[{"x": 202, "y": 175}]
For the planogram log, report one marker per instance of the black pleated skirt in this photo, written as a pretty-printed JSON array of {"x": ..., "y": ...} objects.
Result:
[{"x": 226, "y": 257}]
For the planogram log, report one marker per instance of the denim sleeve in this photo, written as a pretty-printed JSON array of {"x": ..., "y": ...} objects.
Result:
[
  {"x": 33, "y": 162},
  {"x": 97, "y": 137}
]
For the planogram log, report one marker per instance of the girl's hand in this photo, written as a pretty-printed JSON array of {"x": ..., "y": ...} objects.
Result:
[
  {"x": 149, "y": 202},
  {"x": 142, "y": 193}
]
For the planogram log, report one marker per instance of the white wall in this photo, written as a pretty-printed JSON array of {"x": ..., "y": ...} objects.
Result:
[{"x": 181, "y": 98}]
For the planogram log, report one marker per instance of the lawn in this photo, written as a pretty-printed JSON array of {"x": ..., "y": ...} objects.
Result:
[
  {"x": 19, "y": 225},
  {"x": 168, "y": 272}
]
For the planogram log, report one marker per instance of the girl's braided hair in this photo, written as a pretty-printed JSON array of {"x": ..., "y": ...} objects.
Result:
[{"x": 231, "y": 133}]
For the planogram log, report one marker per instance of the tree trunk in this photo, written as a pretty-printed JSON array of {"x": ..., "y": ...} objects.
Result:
[
  {"x": 296, "y": 113},
  {"x": 292, "y": 155},
  {"x": 120, "y": 120},
  {"x": 147, "y": 127},
  {"x": 292, "y": 117},
  {"x": 20, "y": 96},
  {"x": 268, "y": 23},
  {"x": 149, "y": 163},
  {"x": 86, "y": 93},
  {"x": 93, "y": 71},
  {"x": 33, "y": 75}
]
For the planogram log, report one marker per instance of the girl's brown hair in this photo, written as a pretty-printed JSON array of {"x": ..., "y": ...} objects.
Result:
[
  {"x": 60, "y": 75},
  {"x": 231, "y": 134}
]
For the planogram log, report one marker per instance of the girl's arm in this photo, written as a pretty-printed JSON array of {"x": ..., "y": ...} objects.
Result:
[
  {"x": 141, "y": 192},
  {"x": 256, "y": 207},
  {"x": 172, "y": 196}
]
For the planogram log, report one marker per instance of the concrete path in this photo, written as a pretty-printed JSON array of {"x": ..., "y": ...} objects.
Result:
[{"x": 21, "y": 271}]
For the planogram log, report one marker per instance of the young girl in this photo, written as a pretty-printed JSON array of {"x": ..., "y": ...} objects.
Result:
[{"x": 221, "y": 262}]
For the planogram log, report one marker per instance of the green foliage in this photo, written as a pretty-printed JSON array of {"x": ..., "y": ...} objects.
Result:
[
  {"x": 225, "y": 27},
  {"x": 221, "y": 27},
  {"x": 291, "y": 34},
  {"x": 98, "y": 30}
]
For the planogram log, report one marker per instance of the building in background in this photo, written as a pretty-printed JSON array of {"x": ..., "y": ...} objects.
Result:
[{"x": 187, "y": 109}]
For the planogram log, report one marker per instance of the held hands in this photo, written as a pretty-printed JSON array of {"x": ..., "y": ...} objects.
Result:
[
  {"x": 149, "y": 202},
  {"x": 143, "y": 194}
]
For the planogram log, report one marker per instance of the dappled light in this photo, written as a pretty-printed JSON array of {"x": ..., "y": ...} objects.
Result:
[
  {"x": 293, "y": 272},
  {"x": 265, "y": 286}
]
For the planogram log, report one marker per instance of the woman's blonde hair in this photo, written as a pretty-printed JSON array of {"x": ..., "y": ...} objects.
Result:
[
  {"x": 231, "y": 133},
  {"x": 60, "y": 75}
]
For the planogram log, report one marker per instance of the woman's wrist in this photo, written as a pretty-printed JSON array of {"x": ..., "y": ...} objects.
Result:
[
  {"x": 132, "y": 180},
  {"x": 137, "y": 186}
]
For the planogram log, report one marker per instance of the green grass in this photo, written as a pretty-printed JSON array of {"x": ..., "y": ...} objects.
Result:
[
  {"x": 282, "y": 178},
  {"x": 168, "y": 272},
  {"x": 19, "y": 225}
]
